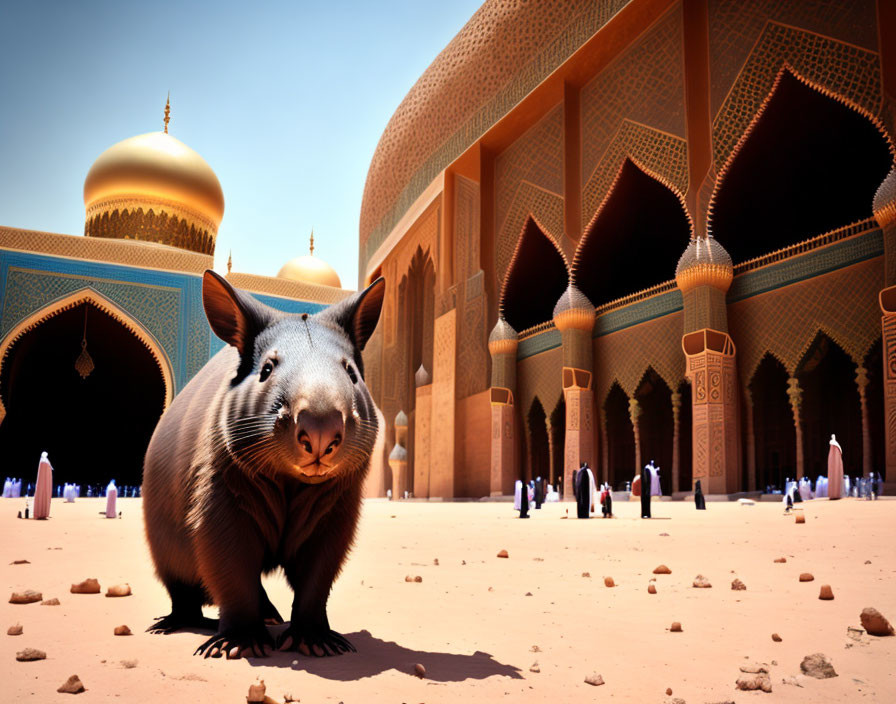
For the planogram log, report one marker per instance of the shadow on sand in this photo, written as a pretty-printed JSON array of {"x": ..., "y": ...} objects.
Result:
[{"x": 375, "y": 656}]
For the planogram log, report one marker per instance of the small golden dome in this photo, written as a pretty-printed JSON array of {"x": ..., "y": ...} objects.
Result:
[
  {"x": 310, "y": 269},
  {"x": 503, "y": 339},
  {"x": 704, "y": 263},
  {"x": 884, "y": 204},
  {"x": 573, "y": 310}
]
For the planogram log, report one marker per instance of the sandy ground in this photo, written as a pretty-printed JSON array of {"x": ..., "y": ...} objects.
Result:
[{"x": 475, "y": 625}]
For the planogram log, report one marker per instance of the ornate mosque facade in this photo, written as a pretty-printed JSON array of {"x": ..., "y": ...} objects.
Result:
[
  {"x": 99, "y": 332},
  {"x": 633, "y": 230}
]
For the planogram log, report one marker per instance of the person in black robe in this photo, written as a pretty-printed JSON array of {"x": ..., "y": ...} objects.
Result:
[
  {"x": 699, "y": 501},
  {"x": 645, "y": 492},
  {"x": 539, "y": 492},
  {"x": 583, "y": 493},
  {"x": 524, "y": 501}
]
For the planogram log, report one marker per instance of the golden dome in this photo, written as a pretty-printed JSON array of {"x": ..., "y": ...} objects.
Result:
[
  {"x": 310, "y": 269},
  {"x": 153, "y": 187},
  {"x": 704, "y": 263}
]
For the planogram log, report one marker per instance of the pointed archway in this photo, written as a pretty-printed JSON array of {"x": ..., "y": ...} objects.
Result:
[
  {"x": 539, "y": 460},
  {"x": 558, "y": 441},
  {"x": 655, "y": 425},
  {"x": 641, "y": 214},
  {"x": 95, "y": 427},
  {"x": 773, "y": 427},
  {"x": 685, "y": 439},
  {"x": 535, "y": 280},
  {"x": 620, "y": 438},
  {"x": 808, "y": 164}
]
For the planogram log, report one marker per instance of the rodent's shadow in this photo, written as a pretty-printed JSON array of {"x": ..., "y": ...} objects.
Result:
[{"x": 375, "y": 656}]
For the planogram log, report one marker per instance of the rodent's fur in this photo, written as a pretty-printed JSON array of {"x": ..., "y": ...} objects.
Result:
[{"x": 258, "y": 463}]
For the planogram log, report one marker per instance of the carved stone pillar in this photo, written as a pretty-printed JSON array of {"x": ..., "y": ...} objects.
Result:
[
  {"x": 676, "y": 441},
  {"x": 579, "y": 442},
  {"x": 795, "y": 393},
  {"x": 422, "y": 432},
  {"x": 502, "y": 345},
  {"x": 634, "y": 413},
  {"x": 884, "y": 208},
  {"x": 862, "y": 384},
  {"x": 711, "y": 370},
  {"x": 751, "y": 442}
]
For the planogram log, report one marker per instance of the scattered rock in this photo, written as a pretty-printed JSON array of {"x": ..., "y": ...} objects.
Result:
[
  {"x": 806, "y": 577},
  {"x": 738, "y": 586},
  {"x": 50, "y": 602},
  {"x": 535, "y": 667},
  {"x": 826, "y": 593},
  {"x": 29, "y": 654},
  {"x": 119, "y": 590},
  {"x": 668, "y": 691},
  {"x": 88, "y": 586},
  {"x": 759, "y": 681},
  {"x": 651, "y": 588},
  {"x": 608, "y": 582},
  {"x": 662, "y": 569},
  {"x": 257, "y": 691},
  {"x": 664, "y": 535},
  {"x": 72, "y": 685},
  {"x": 528, "y": 593},
  {"x": 534, "y": 649},
  {"x": 874, "y": 622},
  {"x": 29, "y": 596},
  {"x": 122, "y": 631},
  {"x": 20, "y": 562},
  {"x": 416, "y": 578},
  {"x": 503, "y": 553},
  {"x": 780, "y": 559},
  {"x": 792, "y": 681},
  {"x": 818, "y": 666},
  {"x": 594, "y": 679},
  {"x": 586, "y": 574},
  {"x": 129, "y": 664},
  {"x": 800, "y": 518},
  {"x": 701, "y": 582},
  {"x": 435, "y": 561},
  {"x": 754, "y": 669},
  {"x": 15, "y": 630},
  {"x": 676, "y": 627},
  {"x": 867, "y": 562},
  {"x": 419, "y": 670},
  {"x": 776, "y": 638}
]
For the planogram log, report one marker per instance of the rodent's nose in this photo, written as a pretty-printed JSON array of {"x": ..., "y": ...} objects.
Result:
[{"x": 320, "y": 435}]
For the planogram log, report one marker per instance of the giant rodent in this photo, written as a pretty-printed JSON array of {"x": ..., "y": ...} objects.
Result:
[{"x": 258, "y": 463}]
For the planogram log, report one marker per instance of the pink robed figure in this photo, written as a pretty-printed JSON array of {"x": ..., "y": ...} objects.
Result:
[
  {"x": 43, "y": 488},
  {"x": 111, "y": 499},
  {"x": 835, "y": 469}
]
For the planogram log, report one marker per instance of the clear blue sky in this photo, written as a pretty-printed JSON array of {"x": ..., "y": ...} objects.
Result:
[{"x": 285, "y": 100}]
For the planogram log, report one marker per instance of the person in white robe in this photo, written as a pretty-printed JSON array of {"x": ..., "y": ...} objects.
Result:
[
  {"x": 592, "y": 488},
  {"x": 43, "y": 491},
  {"x": 7, "y": 488},
  {"x": 805, "y": 489},
  {"x": 655, "y": 489},
  {"x": 518, "y": 495},
  {"x": 111, "y": 500}
]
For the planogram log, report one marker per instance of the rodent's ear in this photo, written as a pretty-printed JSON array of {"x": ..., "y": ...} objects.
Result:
[
  {"x": 359, "y": 314},
  {"x": 235, "y": 316}
]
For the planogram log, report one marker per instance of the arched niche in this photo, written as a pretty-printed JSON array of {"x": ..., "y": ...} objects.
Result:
[
  {"x": 655, "y": 425},
  {"x": 620, "y": 438},
  {"x": 773, "y": 429},
  {"x": 539, "y": 460},
  {"x": 808, "y": 164},
  {"x": 634, "y": 240},
  {"x": 535, "y": 280}
]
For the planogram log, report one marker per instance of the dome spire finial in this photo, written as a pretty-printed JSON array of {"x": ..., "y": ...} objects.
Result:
[
  {"x": 229, "y": 261},
  {"x": 167, "y": 111},
  {"x": 311, "y": 247}
]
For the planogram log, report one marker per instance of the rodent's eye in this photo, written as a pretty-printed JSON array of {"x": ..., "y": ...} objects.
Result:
[
  {"x": 266, "y": 371},
  {"x": 350, "y": 370}
]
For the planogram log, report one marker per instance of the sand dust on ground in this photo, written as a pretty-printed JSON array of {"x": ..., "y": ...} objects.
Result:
[{"x": 478, "y": 623}]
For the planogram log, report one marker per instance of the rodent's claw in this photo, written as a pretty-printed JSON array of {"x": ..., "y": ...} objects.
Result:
[
  {"x": 314, "y": 642},
  {"x": 237, "y": 642}
]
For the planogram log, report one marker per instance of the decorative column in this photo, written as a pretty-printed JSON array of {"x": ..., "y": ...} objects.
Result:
[
  {"x": 574, "y": 318},
  {"x": 398, "y": 458},
  {"x": 634, "y": 412},
  {"x": 502, "y": 345},
  {"x": 884, "y": 208},
  {"x": 676, "y": 441},
  {"x": 795, "y": 394},
  {"x": 751, "y": 442},
  {"x": 422, "y": 432},
  {"x": 862, "y": 383},
  {"x": 703, "y": 275}
]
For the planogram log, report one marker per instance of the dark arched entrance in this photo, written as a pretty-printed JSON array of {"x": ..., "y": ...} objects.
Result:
[
  {"x": 773, "y": 427},
  {"x": 558, "y": 440},
  {"x": 95, "y": 428},
  {"x": 620, "y": 439},
  {"x": 830, "y": 404},
  {"x": 655, "y": 425},
  {"x": 685, "y": 439},
  {"x": 539, "y": 464},
  {"x": 874, "y": 395}
]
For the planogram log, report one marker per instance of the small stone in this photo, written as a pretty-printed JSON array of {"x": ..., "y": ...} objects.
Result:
[
  {"x": 668, "y": 691},
  {"x": 122, "y": 631},
  {"x": 503, "y": 553},
  {"x": 776, "y": 638},
  {"x": 256, "y": 692},
  {"x": 738, "y": 586},
  {"x": 867, "y": 562},
  {"x": 806, "y": 577},
  {"x": 608, "y": 582},
  {"x": 818, "y": 666},
  {"x": 15, "y": 630},
  {"x": 662, "y": 569},
  {"x": 826, "y": 593},
  {"x": 88, "y": 586},
  {"x": 534, "y": 649},
  {"x": 435, "y": 561},
  {"x": 29, "y": 596},
  {"x": 874, "y": 622},
  {"x": 780, "y": 559},
  {"x": 586, "y": 574},
  {"x": 651, "y": 588},
  {"x": 50, "y": 602},
  {"x": 29, "y": 654},
  {"x": 792, "y": 681},
  {"x": 119, "y": 590},
  {"x": 594, "y": 679},
  {"x": 20, "y": 562},
  {"x": 759, "y": 681},
  {"x": 676, "y": 627},
  {"x": 535, "y": 667},
  {"x": 528, "y": 593},
  {"x": 419, "y": 670},
  {"x": 800, "y": 518},
  {"x": 664, "y": 535},
  {"x": 413, "y": 578},
  {"x": 72, "y": 685},
  {"x": 701, "y": 582},
  {"x": 129, "y": 664}
]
